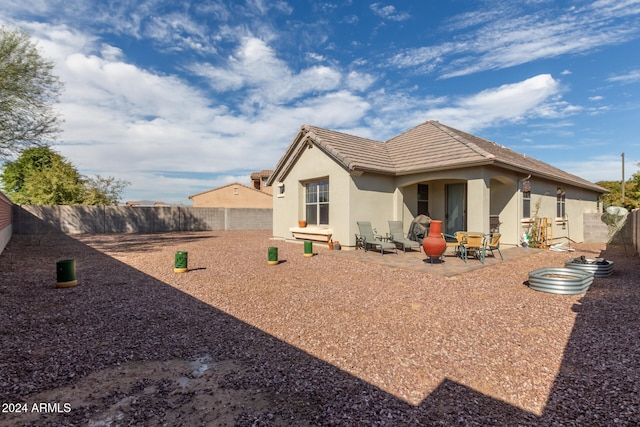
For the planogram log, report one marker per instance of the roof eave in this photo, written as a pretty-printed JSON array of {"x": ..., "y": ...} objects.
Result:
[
  {"x": 285, "y": 163},
  {"x": 589, "y": 186}
]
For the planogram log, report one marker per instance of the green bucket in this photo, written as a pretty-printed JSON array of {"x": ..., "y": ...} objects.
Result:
[
  {"x": 66, "y": 273},
  {"x": 272, "y": 255},
  {"x": 308, "y": 248},
  {"x": 181, "y": 260}
]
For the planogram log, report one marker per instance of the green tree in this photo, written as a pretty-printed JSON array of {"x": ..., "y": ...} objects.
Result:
[
  {"x": 631, "y": 193},
  {"x": 40, "y": 176},
  {"x": 103, "y": 191},
  {"x": 28, "y": 91}
]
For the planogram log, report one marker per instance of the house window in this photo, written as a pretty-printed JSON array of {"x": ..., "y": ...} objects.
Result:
[
  {"x": 423, "y": 199},
  {"x": 560, "y": 202},
  {"x": 317, "y": 202},
  {"x": 526, "y": 204}
]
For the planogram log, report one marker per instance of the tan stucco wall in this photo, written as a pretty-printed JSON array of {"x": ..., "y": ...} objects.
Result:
[
  {"x": 289, "y": 207},
  {"x": 577, "y": 202},
  {"x": 495, "y": 191},
  {"x": 372, "y": 200},
  {"x": 380, "y": 198},
  {"x": 351, "y": 199},
  {"x": 232, "y": 196}
]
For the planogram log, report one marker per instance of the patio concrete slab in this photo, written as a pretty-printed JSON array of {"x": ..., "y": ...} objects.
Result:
[{"x": 449, "y": 266}]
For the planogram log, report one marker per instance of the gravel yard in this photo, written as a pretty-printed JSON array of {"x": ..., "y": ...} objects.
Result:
[{"x": 324, "y": 340}]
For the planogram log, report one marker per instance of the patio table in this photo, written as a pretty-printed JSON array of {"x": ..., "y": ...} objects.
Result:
[{"x": 473, "y": 247}]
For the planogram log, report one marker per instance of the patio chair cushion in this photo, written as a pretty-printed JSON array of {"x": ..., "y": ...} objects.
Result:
[
  {"x": 397, "y": 236},
  {"x": 369, "y": 238}
]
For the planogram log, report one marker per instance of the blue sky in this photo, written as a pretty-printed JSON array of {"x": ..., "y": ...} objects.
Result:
[{"x": 178, "y": 97}]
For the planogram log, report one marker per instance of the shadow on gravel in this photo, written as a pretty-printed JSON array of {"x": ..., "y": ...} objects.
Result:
[
  {"x": 147, "y": 242},
  {"x": 55, "y": 338},
  {"x": 599, "y": 379}
]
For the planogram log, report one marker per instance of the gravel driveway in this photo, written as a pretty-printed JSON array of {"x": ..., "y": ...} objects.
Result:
[{"x": 312, "y": 341}]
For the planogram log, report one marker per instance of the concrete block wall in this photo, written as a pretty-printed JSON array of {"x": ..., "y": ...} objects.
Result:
[
  {"x": 594, "y": 229},
  {"x": 6, "y": 221},
  {"x": 249, "y": 219},
  {"x": 627, "y": 232},
  {"x": 128, "y": 219},
  {"x": 634, "y": 223}
]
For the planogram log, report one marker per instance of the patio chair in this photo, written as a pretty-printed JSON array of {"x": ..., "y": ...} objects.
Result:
[
  {"x": 473, "y": 243},
  {"x": 397, "y": 236},
  {"x": 368, "y": 238},
  {"x": 454, "y": 241},
  {"x": 492, "y": 242}
]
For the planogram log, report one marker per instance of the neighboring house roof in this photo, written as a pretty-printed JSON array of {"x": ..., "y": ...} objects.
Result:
[
  {"x": 264, "y": 173},
  {"x": 430, "y": 146},
  {"x": 145, "y": 203},
  {"x": 235, "y": 184}
]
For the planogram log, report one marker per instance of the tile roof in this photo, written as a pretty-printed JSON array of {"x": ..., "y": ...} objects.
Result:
[
  {"x": 507, "y": 158},
  {"x": 427, "y": 147},
  {"x": 353, "y": 152},
  {"x": 264, "y": 173}
]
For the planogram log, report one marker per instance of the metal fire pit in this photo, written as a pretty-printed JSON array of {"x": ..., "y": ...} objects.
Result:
[
  {"x": 559, "y": 280},
  {"x": 599, "y": 267}
]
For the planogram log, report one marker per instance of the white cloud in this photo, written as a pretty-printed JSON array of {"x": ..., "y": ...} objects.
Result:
[
  {"x": 315, "y": 56},
  {"x": 179, "y": 32},
  {"x": 263, "y": 6},
  {"x": 389, "y": 12},
  {"x": 136, "y": 123},
  {"x": 505, "y": 37},
  {"x": 506, "y": 103},
  {"x": 268, "y": 79},
  {"x": 359, "y": 81},
  {"x": 125, "y": 121},
  {"x": 350, "y": 19},
  {"x": 630, "y": 77},
  {"x": 598, "y": 168}
]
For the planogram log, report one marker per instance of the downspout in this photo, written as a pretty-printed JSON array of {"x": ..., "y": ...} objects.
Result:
[{"x": 518, "y": 204}]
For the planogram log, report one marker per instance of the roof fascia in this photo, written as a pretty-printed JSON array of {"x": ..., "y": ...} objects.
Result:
[
  {"x": 593, "y": 187},
  {"x": 289, "y": 158}
]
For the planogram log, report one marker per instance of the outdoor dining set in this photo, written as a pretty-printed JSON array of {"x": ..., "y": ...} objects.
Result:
[{"x": 463, "y": 244}]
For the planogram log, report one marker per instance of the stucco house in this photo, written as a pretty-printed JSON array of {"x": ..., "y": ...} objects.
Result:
[
  {"x": 332, "y": 180},
  {"x": 236, "y": 195}
]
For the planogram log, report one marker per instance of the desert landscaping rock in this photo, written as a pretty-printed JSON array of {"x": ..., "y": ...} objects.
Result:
[{"x": 311, "y": 341}]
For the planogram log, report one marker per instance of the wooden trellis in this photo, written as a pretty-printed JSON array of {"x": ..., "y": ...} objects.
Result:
[{"x": 542, "y": 233}]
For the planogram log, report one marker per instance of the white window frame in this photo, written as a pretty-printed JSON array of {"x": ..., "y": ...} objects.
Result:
[
  {"x": 561, "y": 203},
  {"x": 318, "y": 198}
]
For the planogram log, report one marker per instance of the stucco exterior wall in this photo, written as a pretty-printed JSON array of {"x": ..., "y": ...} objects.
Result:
[
  {"x": 577, "y": 202},
  {"x": 367, "y": 197},
  {"x": 504, "y": 205},
  {"x": 379, "y": 198},
  {"x": 495, "y": 191},
  {"x": 289, "y": 207},
  {"x": 233, "y": 196},
  {"x": 372, "y": 199}
]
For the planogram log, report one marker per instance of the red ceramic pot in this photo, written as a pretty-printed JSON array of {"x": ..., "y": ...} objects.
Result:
[{"x": 434, "y": 245}]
